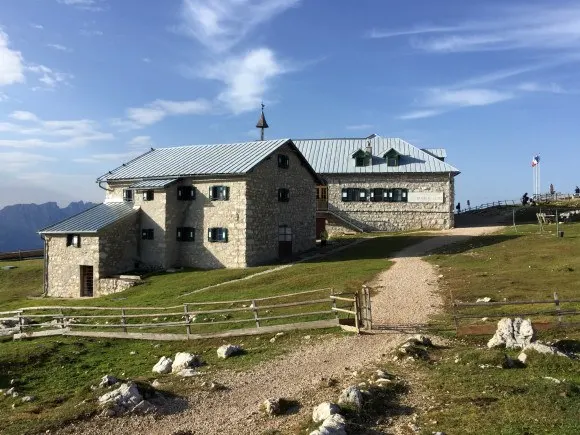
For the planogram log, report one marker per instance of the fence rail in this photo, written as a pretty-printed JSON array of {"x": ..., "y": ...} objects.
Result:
[
  {"x": 257, "y": 313},
  {"x": 485, "y": 312},
  {"x": 22, "y": 255}
]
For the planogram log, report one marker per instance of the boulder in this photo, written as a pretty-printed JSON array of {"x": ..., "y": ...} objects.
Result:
[
  {"x": 187, "y": 373},
  {"x": 484, "y": 300},
  {"x": 125, "y": 399},
  {"x": 333, "y": 425},
  {"x": 228, "y": 350},
  {"x": 107, "y": 381},
  {"x": 184, "y": 360},
  {"x": 544, "y": 348},
  {"x": 420, "y": 339},
  {"x": 351, "y": 397},
  {"x": 28, "y": 399},
  {"x": 272, "y": 406},
  {"x": 512, "y": 333},
  {"x": 522, "y": 357},
  {"x": 163, "y": 366},
  {"x": 323, "y": 411}
]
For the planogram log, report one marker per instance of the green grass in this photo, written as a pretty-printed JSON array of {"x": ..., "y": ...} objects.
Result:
[{"x": 18, "y": 284}]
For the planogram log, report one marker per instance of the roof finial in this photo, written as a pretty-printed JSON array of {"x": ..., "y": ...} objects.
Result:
[{"x": 262, "y": 124}]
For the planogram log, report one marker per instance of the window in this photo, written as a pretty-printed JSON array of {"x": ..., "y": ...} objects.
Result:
[
  {"x": 378, "y": 195},
  {"x": 217, "y": 235},
  {"x": 283, "y": 195},
  {"x": 393, "y": 161},
  {"x": 186, "y": 193},
  {"x": 283, "y": 161},
  {"x": 147, "y": 234},
  {"x": 219, "y": 193},
  {"x": 127, "y": 195},
  {"x": 398, "y": 195},
  {"x": 352, "y": 194},
  {"x": 392, "y": 157},
  {"x": 362, "y": 161},
  {"x": 148, "y": 195},
  {"x": 284, "y": 233},
  {"x": 185, "y": 234},
  {"x": 73, "y": 240}
]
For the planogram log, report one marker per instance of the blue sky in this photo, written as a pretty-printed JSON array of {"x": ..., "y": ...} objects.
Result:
[{"x": 88, "y": 84}]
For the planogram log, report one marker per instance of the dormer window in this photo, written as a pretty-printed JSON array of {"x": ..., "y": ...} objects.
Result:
[
  {"x": 219, "y": 193},
  {"x": 148, "y": 195},
  {"x": 127, "y": 195},
  {"x": 362, "y": 158},
  {"x": 392, "y": 157}
]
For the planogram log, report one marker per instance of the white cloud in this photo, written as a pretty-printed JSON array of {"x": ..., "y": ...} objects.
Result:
[
  {"x": 418, "y": 114},
  {"x": 138, "y": 117},
  {"x": 91, "y": 32},
  {"x": 247, "y": 78},
  {"x": 17, "y": 160},
  {"x": 546, "y": 27},
  {"x": 50, "y": 78},
  {"x": 465, "y": 97},
  {"x": 59, "y": 47},
  {"x": 552, "y": 88},
  {"x": 87, "y": 5},
  {"x": 221, "y": 24},
  {"x": 359, "y": 127},
  {"x": 21, "y": 115},
  {"x": 112, "y": 157},
  {"x": 37, "y": 26},
  {"x": 140, "y": 142},
  {"x": 379, "y": 34},
  {"x": 12, "y": 63},
  {"x": 3, "y": 97},
  {"x": 146, "y": 60}
]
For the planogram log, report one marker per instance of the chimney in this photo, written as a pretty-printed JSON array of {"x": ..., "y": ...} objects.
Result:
[{"x": 369, "y": 148}]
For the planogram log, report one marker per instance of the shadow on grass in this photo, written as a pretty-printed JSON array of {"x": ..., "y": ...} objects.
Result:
[{"x": 459, "y": 245}]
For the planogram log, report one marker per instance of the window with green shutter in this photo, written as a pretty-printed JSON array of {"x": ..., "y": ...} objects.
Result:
[
  {"x": 219, "y": 193},
  {"x": 186, "y": 193},
  {"x": 378, "y": 195},
  {"x": 148, "y": 195},
  {"x": 185, "y": 234},
  {"x": 217, "y": 235}
]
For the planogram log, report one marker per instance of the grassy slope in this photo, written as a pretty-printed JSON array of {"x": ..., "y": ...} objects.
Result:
[
  {"x": 471, "y": 399},
  {"x": 60, "y": 371}
]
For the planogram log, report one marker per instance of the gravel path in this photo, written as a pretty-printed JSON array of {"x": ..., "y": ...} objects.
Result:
[{"x": 406, "y": 297}]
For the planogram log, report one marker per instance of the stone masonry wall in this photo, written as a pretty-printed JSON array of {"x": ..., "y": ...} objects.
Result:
[
  {"x": 109, "y": 286},
  {"x": 266, "y": 213},
  {"x": 118, "y": 247},
  {"x": 393, "y": 216},
  {"x": 64, "y": 276}
]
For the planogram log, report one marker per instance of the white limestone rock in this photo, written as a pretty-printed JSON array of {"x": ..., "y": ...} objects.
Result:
[
  {"x": 272, "y": 406},
  {"x": 544, "y": 348},
  {"x": 28, "y": 399},
  {"x": 512, "y": 333},
  {"x": 483, "y": 300},
  {"x": 184, "y": 360},
  {"x": 333, "y": 425},
  {"x": 351, "y": 396},
  {"x": 323, "y": 411},
  {"x": 187, "y": 373},
  {"x": 163, "y": 366},
  {"x": 228, "y": 350},
  {"x": 420, "y": 339},
  {"x": 125, "y": 399},
  {"x": 107, "y": 381}
]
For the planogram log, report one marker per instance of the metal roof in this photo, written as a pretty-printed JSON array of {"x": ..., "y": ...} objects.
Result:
[
  {"x": 154, "y": 183},
  {"x": 333, "y": 156},
  {"x": 93, "y": 219},
  {"x": 235, "y": 158},
  {"x": 437, "y": 152}
]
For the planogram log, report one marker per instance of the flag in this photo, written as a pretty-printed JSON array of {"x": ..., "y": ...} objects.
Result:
[{"x": 536, "y": 161}]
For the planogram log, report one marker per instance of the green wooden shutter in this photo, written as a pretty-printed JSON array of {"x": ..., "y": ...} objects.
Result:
[
  {"x": 345, "y": 195},
  {"x": 225, "y": 234}
]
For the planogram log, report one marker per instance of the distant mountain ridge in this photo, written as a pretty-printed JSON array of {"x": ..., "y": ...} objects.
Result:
[{"x": 19, "y": 223}]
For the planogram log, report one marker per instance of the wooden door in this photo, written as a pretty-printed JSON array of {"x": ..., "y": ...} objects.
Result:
[
  {"x": 87, "y": 281},
  {"x": 284, "y": 241},
  {"x": 322, "y": 198}
]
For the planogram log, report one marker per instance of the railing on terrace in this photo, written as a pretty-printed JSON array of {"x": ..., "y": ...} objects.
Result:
[
  {"x": 540, "y": 199},
  {"x": 195, "y": 320}
]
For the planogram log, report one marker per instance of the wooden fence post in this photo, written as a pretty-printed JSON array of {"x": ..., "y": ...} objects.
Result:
[
  {"x": 20, "y": 322},
  {"x": 369, "y": 310},
  {"x": 187, "y": 319},
  {"x": 356, "y": 318},
  {"x": 62, "y": 326},
  {"x": 255, "y": 310},
  {"x": 333, "y": 304},
  {"x": 123, "y": 320},
  {"x": 558, "y": 308}
]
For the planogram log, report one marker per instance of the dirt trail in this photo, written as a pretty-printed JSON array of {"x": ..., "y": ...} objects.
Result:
[{"x": 406, "y": 297}]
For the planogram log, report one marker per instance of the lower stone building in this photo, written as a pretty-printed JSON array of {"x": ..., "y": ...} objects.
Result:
[{"x": 205, "y": 206}]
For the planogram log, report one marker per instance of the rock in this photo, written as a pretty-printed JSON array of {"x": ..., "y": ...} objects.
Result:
[
  {"x": 512, "y": 333},
  {"x": 273, "y": 340},
  {"x": 483, "y": 300},
  {"x": 382, "y": 381},
  {"x": 156, "y": 384},
  {"x": 420, "y": 339},
  {"x": 522, "y": 357},
  {"x": 228, "y": 350},
  {"x": 8, "y": 267},
  {"x": 306, "y": 337},
  {"x": 184, "y": 360},
  {"x": 187, "y": 373},
  {"x": 323, "y": 411},
  {"x": 333, "y": 425},
  {"x": 544, "y": 348},
  {"x": 132, "y": 353},
  {"x": 508, "y": 362},
  {"x": 272, "y": 406},
  {"x": 10, "y": 391},
  {"x": 351, "y": 396},
  {"x": 125, "y": 399},
  {"x": 107, "y": 381},
  {"x": 279, "y": 334},
  {"x": 28, "y": 399},
  {"x": 556, "y": 381},
  {"x": 163, "y": 366}
]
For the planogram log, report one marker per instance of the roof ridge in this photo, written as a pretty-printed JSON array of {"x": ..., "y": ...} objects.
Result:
[{"x": 223, "y": 144}]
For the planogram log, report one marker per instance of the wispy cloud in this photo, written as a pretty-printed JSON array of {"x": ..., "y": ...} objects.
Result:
[
  {"x": 546, "y": 27},
  {"x": 552, "y": 88},
  {"x": 419, "y": 114},
  {"x": 360, "y": 127},
  {"x": 111, "y": 157},
  {"x": 17, "y": 160},
  {"x": 21, "y": 115},
  {"x": 140, "y": 142},
  {"x": 37, "y": 26},
  {"x": 86, "y": 5},
  {"x": 12, "y": 64},
  {"x": 151, "y": 113},
  {"x": 146, "y": 60},
  {"x": 59, "y": 47},
  {"x": 48, "y": 77},
  {"x": 3, "y": 97},
  {"x": 247, "y": 78},
  {"x": 221, "y": 24}
]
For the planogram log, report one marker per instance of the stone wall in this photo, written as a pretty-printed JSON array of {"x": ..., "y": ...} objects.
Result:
[
  {"x": 266, "y": 214},
  {"x": 109, "y": 286},
  {"x": 118, "y": 246},
  {"x": 64, "y": 271},
  {"x": 391, "y": 216}
]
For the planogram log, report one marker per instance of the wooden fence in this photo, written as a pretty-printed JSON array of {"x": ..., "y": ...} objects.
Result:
[
  {"x": 260, "y": 313},
  {"x": 483, "y": 310},
  {"x": 22, "y": 255}
]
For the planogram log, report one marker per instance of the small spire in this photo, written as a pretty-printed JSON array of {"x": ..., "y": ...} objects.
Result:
[{"x": 262, "y": 124}]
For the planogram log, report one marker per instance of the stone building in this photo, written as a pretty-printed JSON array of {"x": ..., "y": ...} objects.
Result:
[
  {"x": 380, "y": 184},
  {"x": 205, "y": 206}
]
